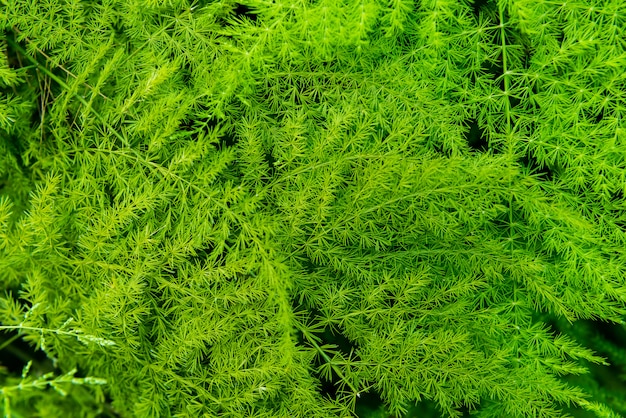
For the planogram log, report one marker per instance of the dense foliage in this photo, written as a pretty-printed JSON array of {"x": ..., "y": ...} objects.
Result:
[{"x": 312, "y": 208}]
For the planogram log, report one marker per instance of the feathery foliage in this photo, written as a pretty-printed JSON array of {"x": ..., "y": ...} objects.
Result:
[{"x": 312, "y": 208}]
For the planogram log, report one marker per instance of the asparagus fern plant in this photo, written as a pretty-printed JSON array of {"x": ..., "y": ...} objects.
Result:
[{"x": 312, "y": 208}]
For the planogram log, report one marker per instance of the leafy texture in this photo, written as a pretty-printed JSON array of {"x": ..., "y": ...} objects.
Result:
[{"x": 295, "y": 209}]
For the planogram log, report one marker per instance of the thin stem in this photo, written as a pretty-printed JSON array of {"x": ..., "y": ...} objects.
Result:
[
  {"x": 62, "y": 83},
  {"x": 68, "y": 72},
  {"x": 10, "y": 341}
]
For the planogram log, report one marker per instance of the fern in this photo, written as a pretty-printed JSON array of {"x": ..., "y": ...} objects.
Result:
[{"x": 312, "y": 209}]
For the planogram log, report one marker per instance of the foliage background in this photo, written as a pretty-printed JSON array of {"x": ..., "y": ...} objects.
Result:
[{"x": 312, "y": 209}]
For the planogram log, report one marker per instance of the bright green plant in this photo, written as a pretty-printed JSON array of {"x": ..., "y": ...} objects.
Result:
[{"x": 313, "y": 208}]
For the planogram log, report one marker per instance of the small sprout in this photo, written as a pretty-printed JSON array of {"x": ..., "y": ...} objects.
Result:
[
  {"x": 94, "y": 381},
  {"x": 26, "y": 369},
  {"x": 97, "y": 340},
  {"x": 66, "y": 323}
]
